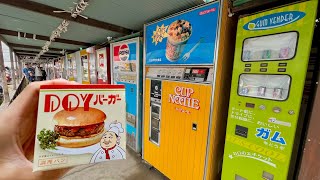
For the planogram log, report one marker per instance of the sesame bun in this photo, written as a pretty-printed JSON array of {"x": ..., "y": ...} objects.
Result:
[
  {"x": 79, "y": 117},
  {"x": 76, "y": 142}
]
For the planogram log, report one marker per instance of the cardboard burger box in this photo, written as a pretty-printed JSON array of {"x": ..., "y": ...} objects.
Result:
[{"x": 79, "y": 124}]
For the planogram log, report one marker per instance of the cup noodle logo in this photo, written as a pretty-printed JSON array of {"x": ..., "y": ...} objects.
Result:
[
  {"x": 183, "y": 97},
  {"x": 124, "y": 52}
]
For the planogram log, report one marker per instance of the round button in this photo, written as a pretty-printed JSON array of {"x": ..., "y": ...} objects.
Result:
[
  {"x": 291, "y": 112},
  {"x": 262, "y": 107},
  {"x": 276, "y": 109}
]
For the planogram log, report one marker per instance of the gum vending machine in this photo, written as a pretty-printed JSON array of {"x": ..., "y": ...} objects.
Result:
[
  {"x": 70, "y": 70},
  {"x": 103, "y": 56},
  {"x": 85, "y": 69},
  {"x": 127, "y": 69},
  {"x": 187, "y": 77},
  {"x": 270, "y": 66}
]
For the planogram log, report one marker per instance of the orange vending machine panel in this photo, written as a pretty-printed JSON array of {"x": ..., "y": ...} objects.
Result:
[{"x": 187, "y": 77}]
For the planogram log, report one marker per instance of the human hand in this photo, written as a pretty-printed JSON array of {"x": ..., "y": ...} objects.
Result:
[{"x": 17, "y": 135}]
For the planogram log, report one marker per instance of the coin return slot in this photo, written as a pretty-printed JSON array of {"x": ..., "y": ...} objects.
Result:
[
  {"x": 241, "y": 131},
  {"x": 239, "y": 178},
  {"x": 194, "y": 126},
  {"x": 267, "y": 176}
]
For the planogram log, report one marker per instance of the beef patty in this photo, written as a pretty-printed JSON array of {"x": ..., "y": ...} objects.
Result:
[{"x": 79, "y": 130}]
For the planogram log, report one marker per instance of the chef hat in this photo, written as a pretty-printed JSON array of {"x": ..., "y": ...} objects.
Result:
[{"x": 116, "y": 128}]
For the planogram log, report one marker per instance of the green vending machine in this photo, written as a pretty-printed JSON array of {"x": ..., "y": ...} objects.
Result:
[{"x": 270, "y": 66}]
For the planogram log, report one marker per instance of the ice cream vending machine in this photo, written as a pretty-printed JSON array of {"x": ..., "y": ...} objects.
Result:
[
  {"x": 270, "y": 66},
  {"x": 103, "y": 58},
  {"x": 126, "y": 66},
  {"x": 188, "y": 62}
]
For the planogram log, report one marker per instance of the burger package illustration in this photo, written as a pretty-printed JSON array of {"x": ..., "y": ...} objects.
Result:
[{"x": 79, "y": 124}]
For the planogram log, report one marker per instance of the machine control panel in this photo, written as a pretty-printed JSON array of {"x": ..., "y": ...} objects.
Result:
[{"x": 193, "y": 74}]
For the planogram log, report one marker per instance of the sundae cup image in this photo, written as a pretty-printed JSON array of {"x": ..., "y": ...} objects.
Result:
[{"x": 179, "y": 33}]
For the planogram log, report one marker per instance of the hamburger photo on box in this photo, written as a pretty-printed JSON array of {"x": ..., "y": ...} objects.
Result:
[{"x": 79, "y": 124}]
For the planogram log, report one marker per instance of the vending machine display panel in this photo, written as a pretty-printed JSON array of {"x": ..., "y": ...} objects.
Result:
[
  {"x": 265, "y": 86},
  {"x": 272, "y": 47}
]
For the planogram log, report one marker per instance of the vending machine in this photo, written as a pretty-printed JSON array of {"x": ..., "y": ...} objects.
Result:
[
  {"x": 270, "y": 66},
  {"x": 126, "y": 59},
  {"x": 70, "y": 67},
  {"x": 85, "y": 66},
  {"x": 103, "y": 58},
  {"x": 188, "y": 61}
]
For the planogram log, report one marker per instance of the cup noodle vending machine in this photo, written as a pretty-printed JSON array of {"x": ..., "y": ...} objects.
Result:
[
  {"x": 270, "y": 66},
  {"x": 103, "y": 57},
  {"x": 126, "y": 59},
  {"x": 188, "y": 62}
]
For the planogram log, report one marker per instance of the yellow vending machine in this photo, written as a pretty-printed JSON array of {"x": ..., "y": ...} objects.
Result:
[
  {"x": 188, "y": 62},
  {"x": 85, "y": 69},
  {"x": 70, "y": 67}
]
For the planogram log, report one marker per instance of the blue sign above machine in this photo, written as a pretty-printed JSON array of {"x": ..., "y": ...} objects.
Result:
[
  {"x": 185, "y": 39},
  {"x": 274, "y": 20}
]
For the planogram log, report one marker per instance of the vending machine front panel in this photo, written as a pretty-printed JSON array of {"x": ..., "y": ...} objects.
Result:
[
  {"x": 126, "y": 64},
  {"x": 270, "y": 66}
]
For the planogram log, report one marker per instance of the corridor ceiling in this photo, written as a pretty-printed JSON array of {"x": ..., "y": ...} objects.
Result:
[{"x": 106, "y": 18}]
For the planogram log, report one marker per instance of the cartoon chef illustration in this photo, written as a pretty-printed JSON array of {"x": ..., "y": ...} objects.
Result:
[{"x": 110, "y": 149}]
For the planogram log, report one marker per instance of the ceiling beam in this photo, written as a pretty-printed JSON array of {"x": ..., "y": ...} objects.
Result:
[
  {"x": 29, "y": 54},
  {"x": 43, "y": 38},
  {"x": 32, "y": 55},
  {"x": 48, "y": 10},
  {"x": 36, "y": 52},
  {"x": 34, "y": 47}
]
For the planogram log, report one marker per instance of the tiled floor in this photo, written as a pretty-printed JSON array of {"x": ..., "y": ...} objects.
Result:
[{"x": 130, "y": 169}]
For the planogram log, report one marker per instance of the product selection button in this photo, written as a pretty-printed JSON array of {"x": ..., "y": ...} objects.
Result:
[
  {"x": 247, "y": 70},
  {"x": 247, "y": 65},
  {"x": 282, "y": 64},
  {"x": 282, "y": 70},
  {"x": 264, "y": 65},
  {"x": 263, "y": 69}
]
